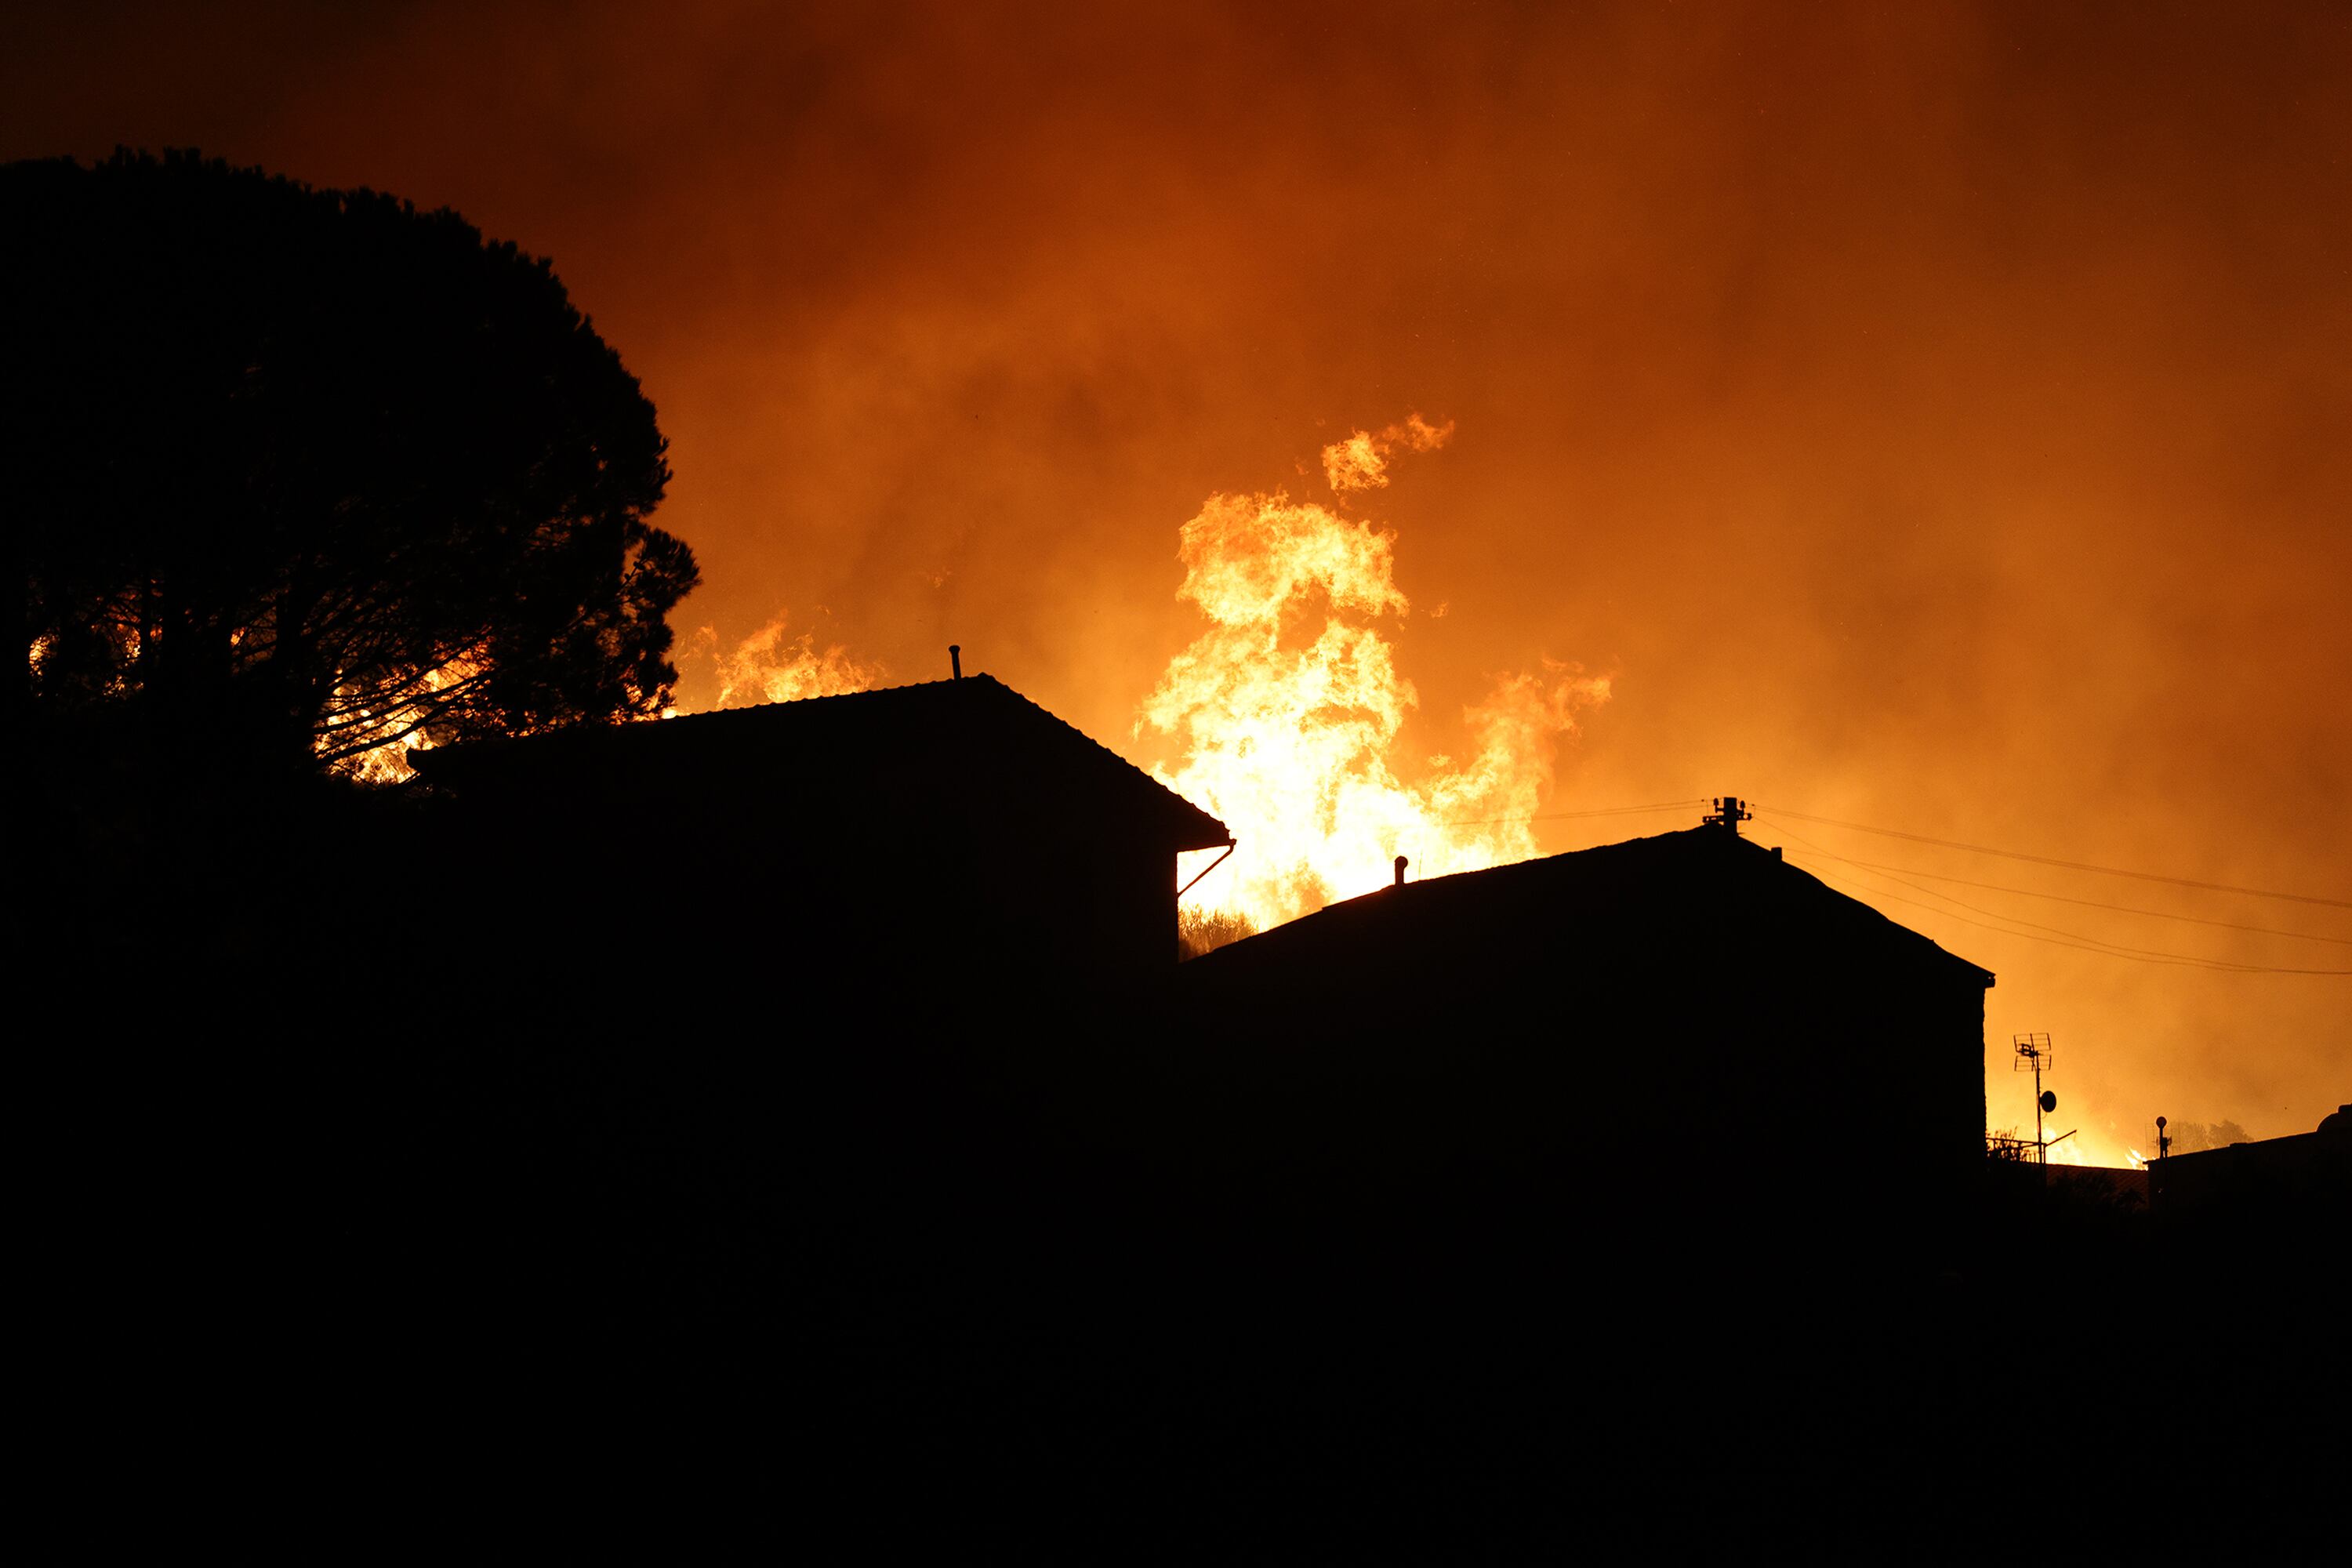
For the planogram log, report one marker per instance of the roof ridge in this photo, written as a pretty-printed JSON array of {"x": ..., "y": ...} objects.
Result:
[
  {"x": 829, "y": 697},
  {"x": 1686, "y": 834},
  {"x": 979, "y": 680},
  {"x": 1123, "y": 762}
]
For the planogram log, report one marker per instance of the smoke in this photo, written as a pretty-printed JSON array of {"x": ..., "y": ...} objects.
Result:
[
  {"x": 1939, "y": 408},
  {"x": 2191, "y": 1136}
]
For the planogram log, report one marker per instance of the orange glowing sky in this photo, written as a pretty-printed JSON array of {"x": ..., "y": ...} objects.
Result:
[{"x": 1934, "y": 417}]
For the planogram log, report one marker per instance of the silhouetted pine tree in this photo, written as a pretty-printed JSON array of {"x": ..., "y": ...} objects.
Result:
[{"x": 291, "y": 473}]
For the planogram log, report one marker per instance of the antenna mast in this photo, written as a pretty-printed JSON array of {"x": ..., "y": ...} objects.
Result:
[{"x": 2034, "y": 1053}]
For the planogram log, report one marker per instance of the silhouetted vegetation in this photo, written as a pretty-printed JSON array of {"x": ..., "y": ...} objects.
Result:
[
  {"x": 296, "y": 472},
  {"x": 1200, "y": 930},
  {"x": 2187, "y": 1137}
]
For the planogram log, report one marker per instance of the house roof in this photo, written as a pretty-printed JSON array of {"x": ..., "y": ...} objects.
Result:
[
  {"x": 1698, "y": 886},
  {"x": 973, "y": 744}
]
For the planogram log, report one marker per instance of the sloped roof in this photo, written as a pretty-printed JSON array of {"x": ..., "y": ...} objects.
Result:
[
  {"x": 973, "y": 742},
  {"x": 1681, "y": 884}
]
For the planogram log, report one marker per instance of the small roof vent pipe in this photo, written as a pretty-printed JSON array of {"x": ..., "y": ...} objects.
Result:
[
  {"x": 1401, "y": 864},
  {"x": 955, "y": 659}
]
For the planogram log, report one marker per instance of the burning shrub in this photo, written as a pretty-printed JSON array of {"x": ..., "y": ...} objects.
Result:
[{"x": 1200, "y": 930}]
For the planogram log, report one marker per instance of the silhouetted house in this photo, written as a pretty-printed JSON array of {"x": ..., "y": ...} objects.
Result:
[
  {"x": 1682, "y": 1020},
  {"x": 882, "y": 848},
  {"x": 2283, "y": 1186}
]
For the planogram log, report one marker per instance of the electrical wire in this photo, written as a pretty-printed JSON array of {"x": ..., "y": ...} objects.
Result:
[
  {"x": 2100, "y": 944},
  {"x": 2087, "y": 903},
  {"x": 1869, "y": 893},
  {"x": 2075, "y": 939},
  {"x": 2057, "y": 937},
  {"x": 2053, "y": 935},
  {"x": 2048, "y": 860}
]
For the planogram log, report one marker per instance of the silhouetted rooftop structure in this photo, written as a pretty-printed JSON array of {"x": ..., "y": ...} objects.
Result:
[
  {"x": 972, "y": 748},
  {"x": 2304, "y": 1178},
  {"x": 1687, "y": 882},
  {"x": 953, "y": 823},
  {"x": 1689, "y": 1002}
]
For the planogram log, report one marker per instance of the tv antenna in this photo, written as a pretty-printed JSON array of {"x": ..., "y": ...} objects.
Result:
[{"x": 2034, "y": 1055}]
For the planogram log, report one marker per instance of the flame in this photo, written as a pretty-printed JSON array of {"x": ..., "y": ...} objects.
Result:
[
  {"x": 2106, "y": 1147},
  {"x": 388, "y": 764},
  {"x": 1361, "y": 462},
  {"x": 2097, "y": 1140},
  {"x": 2070, "y": 1152},
  {"x": 1289, "y": 729},
  {"x": 771, "y": 666}
]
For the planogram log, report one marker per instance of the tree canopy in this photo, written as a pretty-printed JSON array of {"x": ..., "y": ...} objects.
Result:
[{"x": 297, "y": 473}]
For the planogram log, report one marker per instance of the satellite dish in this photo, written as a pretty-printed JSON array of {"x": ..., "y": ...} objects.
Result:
[{"x": 2048, "y": 1101}]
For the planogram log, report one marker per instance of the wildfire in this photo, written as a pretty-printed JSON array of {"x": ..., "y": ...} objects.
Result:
[
  {"x": 769, "y": 665},
  {"x": 2094, "y": 1143},
  {"x": 1361, "y": 462},
  {"x": 1289, "y": 726},
  {"x": 2105, "y": 1147},
  {"x": 773, "y": 666},
  {"x": 385, "y": 764},
  {"x": 403, "y": 722},
  {"x": 1288, "y": 709}
]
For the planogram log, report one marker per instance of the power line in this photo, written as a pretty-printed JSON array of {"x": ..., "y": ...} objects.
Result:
[
  {"x": 2072, "y": 939},
  {"x": 2069, "y": 939},
  {"x": 2101, "y": 944},
  {"x": 2183, "y": 963},
  {"x": 2068, "y": 865},
  {"x": 2087, "y": 903}
]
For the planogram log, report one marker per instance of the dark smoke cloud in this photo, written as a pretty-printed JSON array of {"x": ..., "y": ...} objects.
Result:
[{"x": 1933, "y": 416}]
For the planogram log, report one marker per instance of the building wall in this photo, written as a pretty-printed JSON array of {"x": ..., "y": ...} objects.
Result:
[
  {"x": 1678, "y": 1048},
  {"x": 837, "y": 906}
]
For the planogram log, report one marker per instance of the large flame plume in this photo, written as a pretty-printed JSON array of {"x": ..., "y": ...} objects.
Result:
[{"x": 1290, "y": 707}]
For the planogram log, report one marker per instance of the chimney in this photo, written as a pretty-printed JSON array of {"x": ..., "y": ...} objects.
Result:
[
  {"x": 1401, "y": 862},
  {"x": 955, "y": 659}
]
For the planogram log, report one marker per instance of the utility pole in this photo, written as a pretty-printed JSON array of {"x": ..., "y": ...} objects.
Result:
[{"x": 1729, "y": 815}]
